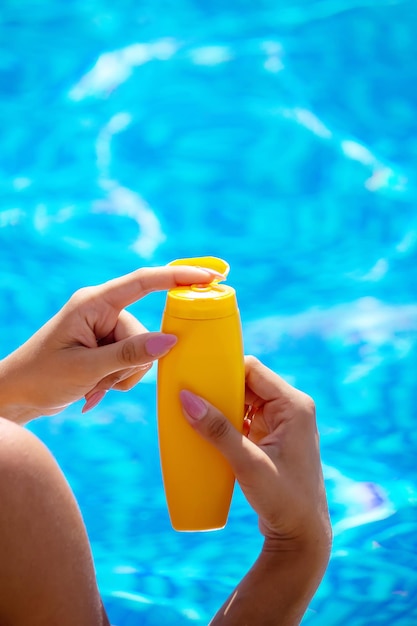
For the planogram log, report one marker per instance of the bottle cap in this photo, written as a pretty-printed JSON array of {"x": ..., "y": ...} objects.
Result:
[
  {"x": 205, "y": 301},
  {"x": 210, "y": 262}
]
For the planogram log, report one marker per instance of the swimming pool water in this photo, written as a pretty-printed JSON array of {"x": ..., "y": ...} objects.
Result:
[{"x": 283, "y": 138}]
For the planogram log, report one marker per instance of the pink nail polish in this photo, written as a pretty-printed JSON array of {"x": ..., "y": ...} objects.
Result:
[
  {"x": 93, "y": 400},
  {"x": 157, "y": 345},
  {"x": 195, "y": 406}
]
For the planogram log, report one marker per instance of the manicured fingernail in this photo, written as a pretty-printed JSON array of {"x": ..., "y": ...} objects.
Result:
[
  {"x": 93, "y": 400},
  {"x": 195, "y": 406},
  {"x": 213, "y": 273},
  {"x": 157, "y": 345}
]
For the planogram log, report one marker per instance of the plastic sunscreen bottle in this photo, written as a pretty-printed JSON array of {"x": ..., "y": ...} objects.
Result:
[{"x": 208, "y": 361}]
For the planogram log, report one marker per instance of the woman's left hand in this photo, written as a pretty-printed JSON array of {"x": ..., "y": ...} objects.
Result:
[{"x": 90, "y": 346}]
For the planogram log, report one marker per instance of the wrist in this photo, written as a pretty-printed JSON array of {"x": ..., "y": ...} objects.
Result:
[
  {"x": 312, "y": 555},
  {"x": 314, "y": 542},
  {"x": 304, "y": 559},
  {"x": 13, "y": 405},
  {"x": 281, "y": 583}
]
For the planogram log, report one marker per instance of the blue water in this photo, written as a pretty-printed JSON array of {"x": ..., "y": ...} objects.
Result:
[{"x": 281, "y": 136}]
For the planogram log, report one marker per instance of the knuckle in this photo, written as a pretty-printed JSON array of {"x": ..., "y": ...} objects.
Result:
[
  {"x": 218, "y": 428},
  {"x": 124, "y": 385},
  {"x": 110, "y": 381},
  {"x": 129, "y": 382},
  {"x": 81, "y": 295},
  {"x": 114, "y": 380},
  {"x": 306, "y": 408},
  {"x": 252, "y": 361},
  {"x": 140, "y": 278},
  {"x": 128, "y": 354},
  {"x": 309, "y": 405}
]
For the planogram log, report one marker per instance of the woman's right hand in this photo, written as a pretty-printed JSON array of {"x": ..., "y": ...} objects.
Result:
[{"x": 277, "y": 464}]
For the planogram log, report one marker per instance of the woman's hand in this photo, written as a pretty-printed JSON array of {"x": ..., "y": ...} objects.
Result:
[
  {"x": 90, "y": 346},
  {"x": 278, "y": 468}
]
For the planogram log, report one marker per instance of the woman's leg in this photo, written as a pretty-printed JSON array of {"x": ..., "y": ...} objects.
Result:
[{"x": 47, "y": 575}]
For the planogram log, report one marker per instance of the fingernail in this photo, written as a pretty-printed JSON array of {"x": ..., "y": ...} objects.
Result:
[
  {"x": 195, "y": 406},
  {"x": 157, "y": 345},
  {"x": 93, "y": 400},
  {"x": 213, "y": 273}
]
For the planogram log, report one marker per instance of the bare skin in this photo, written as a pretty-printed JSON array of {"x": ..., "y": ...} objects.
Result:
[
  {"x": 47, "y": 574},
  {"x": 90, "y": 346},
  {"x": 93, "y": 344},
  {"x": 278, "y": 468}
]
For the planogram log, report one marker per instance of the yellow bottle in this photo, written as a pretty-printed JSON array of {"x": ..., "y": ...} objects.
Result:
[{"x": 207, "y": 360}]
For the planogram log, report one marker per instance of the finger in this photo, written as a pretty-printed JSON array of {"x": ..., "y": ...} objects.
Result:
[
  {"x": 257, "y": 474},
  {"x": 263, "y": 383},
  {"x": 120, "y": 292},
  {"x": 127, "y": 325},
  {"x": 210, "y": 423},
  {"x": 128, "y": 382},
  {"x": 128, "y": 353},
  {"x": 123, "y": 380},
  {"x": 95, "y": 395},
  {"x": 93, "y": 399}
]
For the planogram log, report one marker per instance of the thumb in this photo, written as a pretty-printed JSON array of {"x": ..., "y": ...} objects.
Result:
[
  {"x": 128, "y": 353},
  {"x": 242, "y": 454}
]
